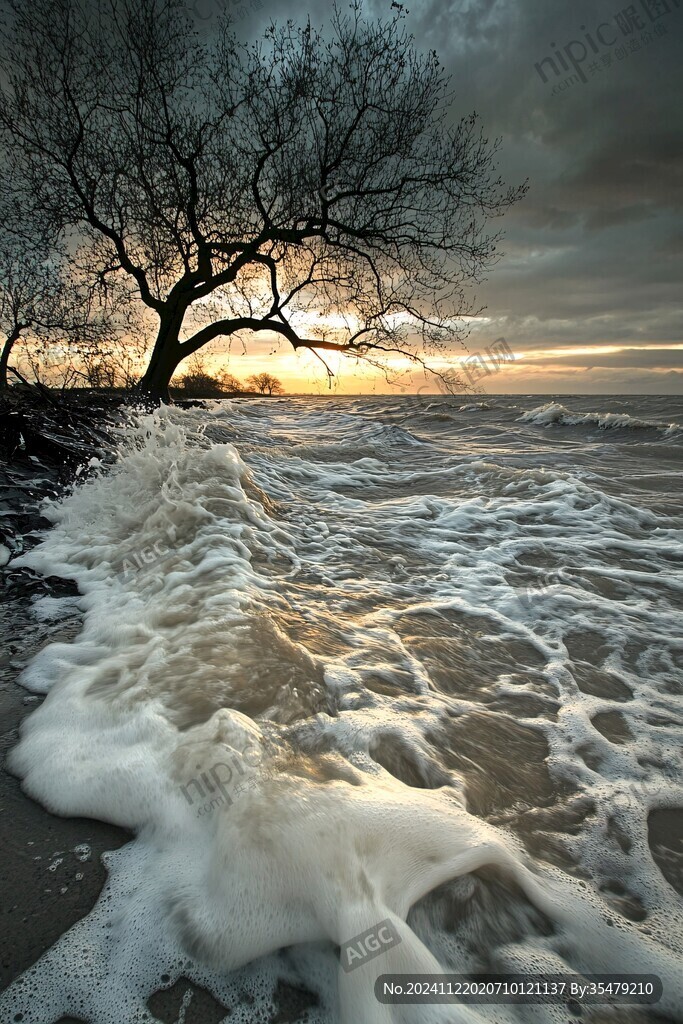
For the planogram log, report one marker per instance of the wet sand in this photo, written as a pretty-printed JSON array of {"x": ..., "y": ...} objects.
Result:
[{"x": 46, "y": 883}]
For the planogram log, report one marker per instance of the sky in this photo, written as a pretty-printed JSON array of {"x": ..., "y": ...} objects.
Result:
[{"x": 587, "y": 295}]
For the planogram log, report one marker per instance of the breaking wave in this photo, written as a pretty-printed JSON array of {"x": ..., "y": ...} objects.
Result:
[{"x": 553, "y": 412}]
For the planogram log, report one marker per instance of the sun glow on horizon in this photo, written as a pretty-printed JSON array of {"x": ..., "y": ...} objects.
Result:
[{"x": 590, "y": 350}]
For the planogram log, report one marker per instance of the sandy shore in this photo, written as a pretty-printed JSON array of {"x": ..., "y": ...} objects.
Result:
[
  {"x": 44, "y": 885},
  {"x": 51, "y": 872}
]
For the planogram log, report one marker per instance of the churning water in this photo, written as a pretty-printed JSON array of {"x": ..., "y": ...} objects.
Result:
[{"x": 347, "y": 661}]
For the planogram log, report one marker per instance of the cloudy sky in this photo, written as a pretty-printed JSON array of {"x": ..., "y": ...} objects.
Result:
[{"x": 589, "y": 293}]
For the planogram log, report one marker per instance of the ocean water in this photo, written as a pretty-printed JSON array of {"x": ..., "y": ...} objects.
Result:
[{"x": 346, "y": 661}]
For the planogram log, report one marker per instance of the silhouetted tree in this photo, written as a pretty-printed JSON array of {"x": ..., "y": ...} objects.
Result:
[
  {"x": 197, "y": 381},
  {"x": 41, "y": 301},
  {"x": 228, "y": 381},
  {"x": 309, "y": 181},
  {"x": 265, "y": 384}
]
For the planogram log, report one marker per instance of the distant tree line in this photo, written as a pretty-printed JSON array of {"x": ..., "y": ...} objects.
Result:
[{"x": 199, "y": 382}]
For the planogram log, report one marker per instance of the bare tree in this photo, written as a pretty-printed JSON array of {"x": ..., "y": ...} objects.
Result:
[
  {"x": 311, "y": 182},
  {"x": 228, "y": 381},
  {"x": 197, "y": 380},
  {"x": 265, "y": 384},
  {"x": 113, "y": 361},
  {"x": 125, "y": 355},
  {"x": 41, "y": 302},
  {"x": 49, "y": 363},
  {"x": 20, "y": 295}
]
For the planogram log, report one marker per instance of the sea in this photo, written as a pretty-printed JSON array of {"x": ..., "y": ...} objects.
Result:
[{"x": 382, "y": 686}]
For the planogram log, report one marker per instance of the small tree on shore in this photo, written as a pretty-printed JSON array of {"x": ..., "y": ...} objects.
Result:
[
  {"x": 265, "y": 384},
  {"x": 305, "y": 181}
]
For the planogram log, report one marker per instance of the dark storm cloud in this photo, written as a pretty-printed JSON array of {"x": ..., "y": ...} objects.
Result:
[{"x": 594, "y": 253}]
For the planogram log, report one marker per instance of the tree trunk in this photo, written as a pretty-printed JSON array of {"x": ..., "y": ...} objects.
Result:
[
  {"x": 4, "y": 357},
  {"x": 166, "y": 356}
]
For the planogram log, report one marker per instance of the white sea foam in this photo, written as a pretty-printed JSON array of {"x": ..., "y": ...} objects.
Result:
[
  {"x": 554, "y": 412},
  {"x": 249, "y": 691}
]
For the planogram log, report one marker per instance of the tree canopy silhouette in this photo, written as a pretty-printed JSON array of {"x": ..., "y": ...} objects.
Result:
[
  {"x": 265, "y": 384},
  {"x": 306, "y": 185}
]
